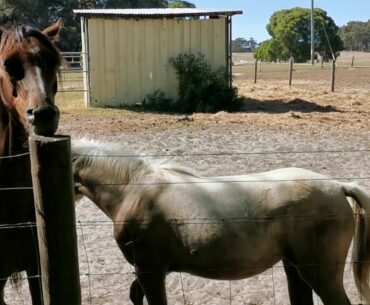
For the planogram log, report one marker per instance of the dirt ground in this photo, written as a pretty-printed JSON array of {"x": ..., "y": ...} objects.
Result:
[{"x": 304, "y": 125}]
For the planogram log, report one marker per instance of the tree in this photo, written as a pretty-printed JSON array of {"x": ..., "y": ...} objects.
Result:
[
  {"x": 240, "y": 45},
  {"x": 356, "y": 35},
  {"x": 271, "y": 51},
  {"x": 180, "y": 4},
  {"x": 135, "y": 3},
  {"x": 291, "y": 29},
  {"x": 42, "y": 13}
]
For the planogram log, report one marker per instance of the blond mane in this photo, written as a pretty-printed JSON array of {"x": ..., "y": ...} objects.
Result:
[{"x": 115, "y": 162}]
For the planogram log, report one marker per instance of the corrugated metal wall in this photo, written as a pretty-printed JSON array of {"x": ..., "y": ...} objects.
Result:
[{"x": 129, "y": 58}]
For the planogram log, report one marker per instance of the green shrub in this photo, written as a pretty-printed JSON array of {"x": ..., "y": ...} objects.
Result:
[
  {"x": 158, "y": 101},
  {"x": 202, "y": 88}
]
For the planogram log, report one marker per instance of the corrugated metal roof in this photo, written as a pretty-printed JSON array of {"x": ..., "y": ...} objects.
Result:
[{"x": 155, "y": 12}]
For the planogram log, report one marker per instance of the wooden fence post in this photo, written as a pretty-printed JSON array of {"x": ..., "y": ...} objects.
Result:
[
  {"x": 255, "y": 71},
  {"x": 333, "y": 76},
  {"x": 291, "y": 71},
  {"x": 55, "y": 216}
]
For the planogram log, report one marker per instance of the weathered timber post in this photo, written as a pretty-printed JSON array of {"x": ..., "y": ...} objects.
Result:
[
  {"x": 55, "y": 216},
  {"x": 333, "y": 75},
  {"x": 255, "y": 71},
  {"x": 291, "y": 70}
]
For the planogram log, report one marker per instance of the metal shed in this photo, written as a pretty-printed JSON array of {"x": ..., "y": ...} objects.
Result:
[{"x": 127, "y": 50}]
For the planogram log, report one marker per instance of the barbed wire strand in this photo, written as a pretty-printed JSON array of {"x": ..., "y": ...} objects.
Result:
[{"x": 87, "y": 261}]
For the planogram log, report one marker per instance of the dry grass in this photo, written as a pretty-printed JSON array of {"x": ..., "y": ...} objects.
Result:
[{"x": 271, "y": 104}]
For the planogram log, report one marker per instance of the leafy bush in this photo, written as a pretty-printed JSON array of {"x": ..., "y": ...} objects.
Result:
[
  {"x": 158, "y": 102},
  {"x": 202, "y": 88}
]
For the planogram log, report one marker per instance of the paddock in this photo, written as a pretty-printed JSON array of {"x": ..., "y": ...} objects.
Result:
[{"x": 335, "y": 143}]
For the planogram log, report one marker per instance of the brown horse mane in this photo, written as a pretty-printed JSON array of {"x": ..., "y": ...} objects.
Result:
[{"x": 11, "y": 40}]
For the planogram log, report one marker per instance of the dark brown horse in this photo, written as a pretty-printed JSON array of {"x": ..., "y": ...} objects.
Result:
[{"x": 29, "y": 63}]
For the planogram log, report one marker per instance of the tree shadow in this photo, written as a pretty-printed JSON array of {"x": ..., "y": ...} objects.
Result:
[{"x": 281, "y": 106}]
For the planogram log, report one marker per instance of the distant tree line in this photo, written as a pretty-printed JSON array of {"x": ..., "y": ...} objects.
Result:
[
  {"x": 240, "y": 45},
  {"x": 290, "y": 31},
  {"x": 42, "y": 13},
  {"x": 356, "y": 36}
]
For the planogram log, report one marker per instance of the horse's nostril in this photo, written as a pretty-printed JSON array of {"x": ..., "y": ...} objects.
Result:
[{"x": 29, "y": 111}]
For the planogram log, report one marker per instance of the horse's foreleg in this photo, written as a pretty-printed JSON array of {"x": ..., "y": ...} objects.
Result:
[
  {"x": 136, "y": 293},
  {"x": 300, "y": 293},
  {"x": 153, "y": 285}
]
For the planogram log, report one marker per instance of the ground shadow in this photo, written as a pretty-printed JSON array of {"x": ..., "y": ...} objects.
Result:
[
  {"x": 280, "y": 106},
  {"x": 254, "y": 106}
]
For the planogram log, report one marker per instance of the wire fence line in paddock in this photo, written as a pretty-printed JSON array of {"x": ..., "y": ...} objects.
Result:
[
  {"x": 333, "y": 73},
  {"x": 82, "y": 224},
  {"x": 72, "y": 73},
  {"x": 90, "y": 275}
]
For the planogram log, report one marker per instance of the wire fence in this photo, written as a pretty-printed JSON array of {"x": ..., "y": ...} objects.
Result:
[{"x": 182, "y": 288}]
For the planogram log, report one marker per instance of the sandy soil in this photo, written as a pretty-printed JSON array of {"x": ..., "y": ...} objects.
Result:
[{"x": 280, "y": 126}]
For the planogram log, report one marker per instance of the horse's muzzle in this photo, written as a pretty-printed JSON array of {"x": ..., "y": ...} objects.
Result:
[{"x": 44, "y": 120}]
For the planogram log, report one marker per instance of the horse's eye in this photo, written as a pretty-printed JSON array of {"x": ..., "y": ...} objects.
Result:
[{"x": 14, "y": 67}]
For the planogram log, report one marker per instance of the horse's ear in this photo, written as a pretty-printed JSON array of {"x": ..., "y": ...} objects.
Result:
[{"x": 52, "y": 31}]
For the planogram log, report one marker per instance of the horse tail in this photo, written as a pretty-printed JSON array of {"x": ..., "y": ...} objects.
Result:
[{"x": 361, "y": 243}]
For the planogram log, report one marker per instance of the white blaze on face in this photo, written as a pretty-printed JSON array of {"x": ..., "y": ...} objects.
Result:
[{"x": 35, "y": 86}]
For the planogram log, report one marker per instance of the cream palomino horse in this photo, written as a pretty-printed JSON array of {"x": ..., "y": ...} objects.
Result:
[{"x": 167, "y": 219}]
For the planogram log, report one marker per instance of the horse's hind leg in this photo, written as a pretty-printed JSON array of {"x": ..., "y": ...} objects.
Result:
[
  {"x": 327, "y": 282},
  {"x": 300, "y": 293},
  {"x": 153, "y": 285},
  {"x": 136, "y": 293}
]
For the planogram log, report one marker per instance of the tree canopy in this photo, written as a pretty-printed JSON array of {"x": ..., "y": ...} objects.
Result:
[
  {"x": 291, "y": 35},
  {"x": 240, "y": 45},
  {"x": 356, "y": 35}
]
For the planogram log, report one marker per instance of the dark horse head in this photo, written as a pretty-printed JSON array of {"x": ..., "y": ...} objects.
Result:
[{"x": 29, "y": 63}]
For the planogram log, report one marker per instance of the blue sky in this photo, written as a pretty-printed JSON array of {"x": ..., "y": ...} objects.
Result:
[{"x": 256, "y": 13}]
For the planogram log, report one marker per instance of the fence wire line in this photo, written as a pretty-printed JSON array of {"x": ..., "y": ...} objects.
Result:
[
  {"x": 246, "y": 269},
  {"x": 201, "y": 221},
  {"x": 90, "y": 274},
  {"x": 15, "y": 156},
  {"x": 87, "y": 261},
  {"x": 210, "y": 181},
  {"x": 235, "y": 153}
]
